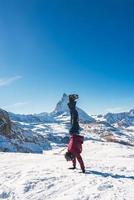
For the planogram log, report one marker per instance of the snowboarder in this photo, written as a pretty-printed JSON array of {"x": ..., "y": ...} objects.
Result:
[{"x": 76, "y": 140}]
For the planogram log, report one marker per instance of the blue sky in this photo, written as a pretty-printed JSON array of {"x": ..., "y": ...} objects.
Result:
[{"x": 56, "y": 46}]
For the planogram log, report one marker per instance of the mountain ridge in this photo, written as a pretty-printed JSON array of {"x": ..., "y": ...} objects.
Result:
[{"x": 60, "y": 109}]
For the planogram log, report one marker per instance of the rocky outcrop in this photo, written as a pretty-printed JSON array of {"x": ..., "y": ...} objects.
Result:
[
  {"x": 5, "y": 123},
  {"x": 13, "y": 138}
]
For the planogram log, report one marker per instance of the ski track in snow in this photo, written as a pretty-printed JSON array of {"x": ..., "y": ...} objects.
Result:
[{"x": 109, "y": 175}]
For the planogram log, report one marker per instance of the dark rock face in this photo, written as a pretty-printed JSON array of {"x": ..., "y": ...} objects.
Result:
[{"x": 5, "y": 123}]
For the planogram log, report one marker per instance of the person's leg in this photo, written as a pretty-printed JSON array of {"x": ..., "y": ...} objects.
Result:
[
  {"x": 80, "y": 160},
  {"x": 74, "y": 162}
]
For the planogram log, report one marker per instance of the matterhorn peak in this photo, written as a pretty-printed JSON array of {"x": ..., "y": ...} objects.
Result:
[{"x": 61, "y": 106}]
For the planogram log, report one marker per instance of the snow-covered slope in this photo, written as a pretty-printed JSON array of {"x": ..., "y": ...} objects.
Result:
[
  {"x": 45, "y": 117},
  {"x": 109, "y": 175},
  {"x": 21, "y": 140},
  {"x": 32, "y": 118}
]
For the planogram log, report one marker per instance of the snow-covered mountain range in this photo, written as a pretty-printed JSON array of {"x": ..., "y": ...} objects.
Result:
[
  {"x": 60, "y": 113},
  {"x": 38, "y": 132},
  {"x": 124, "y": 118},
  {"x": 15, "y": 138}
]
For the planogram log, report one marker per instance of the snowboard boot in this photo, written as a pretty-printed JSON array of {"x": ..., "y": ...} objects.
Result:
[
  {"x": 72, "y": 168},
  {"x": 83, "y": 170}
]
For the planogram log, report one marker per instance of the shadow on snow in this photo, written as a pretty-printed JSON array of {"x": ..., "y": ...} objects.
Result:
[{"x": 105, "y": 174}]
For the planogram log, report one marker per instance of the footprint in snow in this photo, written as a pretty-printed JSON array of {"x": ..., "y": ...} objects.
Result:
[{"x": 105, "y": 187}]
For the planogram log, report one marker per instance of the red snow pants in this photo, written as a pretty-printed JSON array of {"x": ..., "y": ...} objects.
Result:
[
  {"x": 75, "y": 147},
  {"x": 80, "y": 160}
]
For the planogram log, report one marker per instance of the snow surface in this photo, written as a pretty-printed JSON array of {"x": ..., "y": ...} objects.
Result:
[{"x": 109, "y": 174}]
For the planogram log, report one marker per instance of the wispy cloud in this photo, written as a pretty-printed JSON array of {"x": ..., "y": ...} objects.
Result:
[
  {"x": 16, "y": 105},
  {"x": 8, "y": 81}
]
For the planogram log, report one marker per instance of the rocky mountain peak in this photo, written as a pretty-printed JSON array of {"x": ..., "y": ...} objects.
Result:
[{"x": 61, "y": 106}]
